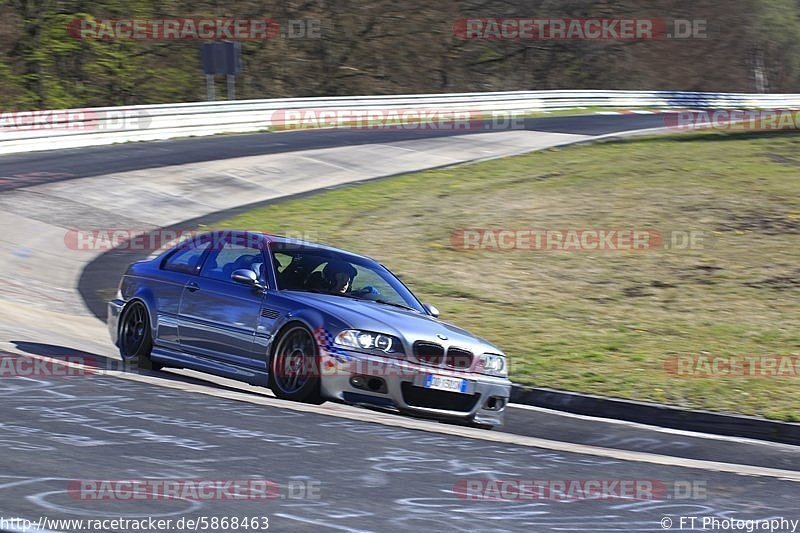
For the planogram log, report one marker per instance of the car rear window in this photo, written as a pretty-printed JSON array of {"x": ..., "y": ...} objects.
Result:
[{"x": 186, "y": 258}]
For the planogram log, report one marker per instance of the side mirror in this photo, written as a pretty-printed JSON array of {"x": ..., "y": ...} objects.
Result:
[
  {"x": 431, "y": 309},
  {"x": 246, "y": 277}
]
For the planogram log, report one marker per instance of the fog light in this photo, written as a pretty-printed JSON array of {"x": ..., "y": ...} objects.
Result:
[
  {"x": 358, "y": 382},
  {"x": 495, "y": 403}
]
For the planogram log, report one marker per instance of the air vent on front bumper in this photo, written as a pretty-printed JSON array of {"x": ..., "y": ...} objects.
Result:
[
  {"x": 429, "y": 353},
  {"x": 269, "y": 313},
  {"x": 438, "y": 399}
]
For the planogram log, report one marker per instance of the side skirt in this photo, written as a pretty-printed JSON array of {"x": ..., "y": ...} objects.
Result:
[{"x": 204, "y": 364}]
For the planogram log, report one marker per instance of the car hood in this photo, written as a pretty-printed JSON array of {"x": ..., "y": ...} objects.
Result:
[{"x": 410, "y": 326}]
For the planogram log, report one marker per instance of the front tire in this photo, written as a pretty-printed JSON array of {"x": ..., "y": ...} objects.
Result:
[
  {"x": 135, "y": 337},
  {"x": 294, "y": 366}
]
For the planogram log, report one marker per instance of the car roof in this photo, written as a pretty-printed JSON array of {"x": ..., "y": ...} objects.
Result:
[{"x": 271, "y": 238}]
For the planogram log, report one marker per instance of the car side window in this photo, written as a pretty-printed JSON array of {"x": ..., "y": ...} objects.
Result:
[
  {"x": 186, "y": 259},
  {"x": 291, "y": 270},
  {"x": 282, "y": 261},
  {"x": 230, "y": 257}
]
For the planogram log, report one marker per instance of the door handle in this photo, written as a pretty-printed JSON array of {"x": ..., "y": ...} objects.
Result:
[{"x": 193, "y": 286}]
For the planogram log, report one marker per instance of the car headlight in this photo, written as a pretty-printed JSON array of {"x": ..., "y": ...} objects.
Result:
[
  {"x": 494, "y": 364},
  {"x": 369, "y": 341}
]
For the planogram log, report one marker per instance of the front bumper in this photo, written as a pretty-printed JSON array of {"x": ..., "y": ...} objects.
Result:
[
  {"x": 396, "y": 383},
  {"x": 114, "y": 311}
]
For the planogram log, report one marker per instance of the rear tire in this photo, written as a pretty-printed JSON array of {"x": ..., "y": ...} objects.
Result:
[
  {"x": 135, "y": 337},
  {"x": 294, "y": 366}
]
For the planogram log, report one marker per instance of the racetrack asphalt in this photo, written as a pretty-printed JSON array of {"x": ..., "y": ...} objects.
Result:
[
  {"x": 22, "y": 170},
  {"x": 371, "y": 476},
  {"x": 347, "y": 475}
]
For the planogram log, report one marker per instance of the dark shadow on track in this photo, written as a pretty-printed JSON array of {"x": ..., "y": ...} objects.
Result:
[{"x": 100, "y": 364}]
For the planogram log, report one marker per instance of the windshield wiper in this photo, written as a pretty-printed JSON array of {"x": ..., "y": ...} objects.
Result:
[{"x": 401, "y": 306}]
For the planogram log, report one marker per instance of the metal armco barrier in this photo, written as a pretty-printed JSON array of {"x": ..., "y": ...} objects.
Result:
[{"x": 74, "y": 128}]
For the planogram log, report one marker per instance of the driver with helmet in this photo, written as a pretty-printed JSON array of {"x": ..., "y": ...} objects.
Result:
[{"x": 337, "y": 276}]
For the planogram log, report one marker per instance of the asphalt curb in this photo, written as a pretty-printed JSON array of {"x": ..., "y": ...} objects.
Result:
[{"x": 655, "y": 414}]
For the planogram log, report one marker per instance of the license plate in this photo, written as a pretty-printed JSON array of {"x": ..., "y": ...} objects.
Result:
[{"x": 445, "y": 383}]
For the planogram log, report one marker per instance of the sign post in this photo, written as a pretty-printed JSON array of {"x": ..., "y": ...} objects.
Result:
[
  {"x": 210, "y": 87},
  {"x": 231, "y": 87}
]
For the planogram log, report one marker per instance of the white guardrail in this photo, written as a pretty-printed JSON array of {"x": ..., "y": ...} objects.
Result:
[{"x": 27, "y": 131}]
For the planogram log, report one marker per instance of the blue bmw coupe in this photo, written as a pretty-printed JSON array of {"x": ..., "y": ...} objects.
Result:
[{"x": 311, "y": 322}]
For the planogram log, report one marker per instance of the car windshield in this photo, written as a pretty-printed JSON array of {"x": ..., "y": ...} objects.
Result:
[{"x": 320, "y": 270}]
